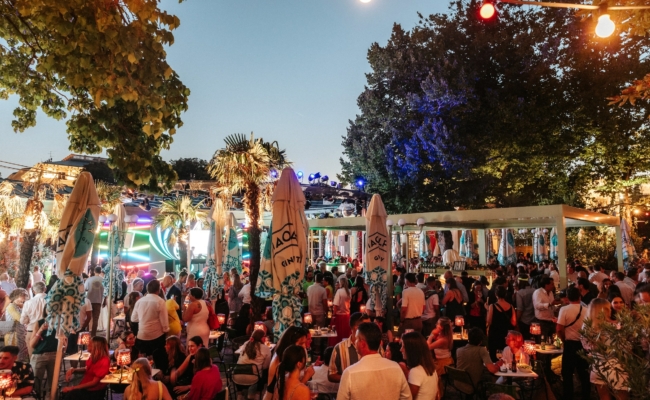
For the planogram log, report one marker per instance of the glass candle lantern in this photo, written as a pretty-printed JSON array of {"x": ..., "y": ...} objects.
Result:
[
  {"x": 460, "y": 321},
  {"x": 123, "y": 358},
  {"x": 307, "y": 318},
  {"x": 535, "y": 329},
  {"x": 83, "y": 338},
  {"x": 330, "y": 303},
  {"x": 6, "y": 379},
  {"x": 362, "y": 308},
  {"x": 221, "y": 318},
  {"x": 529, "y": 347}
]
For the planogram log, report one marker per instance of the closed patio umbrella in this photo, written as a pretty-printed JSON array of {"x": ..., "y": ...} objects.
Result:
[
  {"x": 507, "y": 252},
  {"x": 377, "y": 263},
  {"x": 213, "y": 280},
  {"x": 629, "y": 252},
  {"x": 284, "y": 258},
  {"x": 77, "y": 231},
  {"x": 539, "y": 246},
  {"x": 233, "y": 257},
  {"x": 115, "y": 246},
  {"x": 553, "y": 244},
  {"x": 467, "y": 244},
  {"x": 425, "y": 245}
]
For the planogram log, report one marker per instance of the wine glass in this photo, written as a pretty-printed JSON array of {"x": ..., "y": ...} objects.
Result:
[
  {"x": 499, "y": 355},
  {"x": 313, "y": 390}
]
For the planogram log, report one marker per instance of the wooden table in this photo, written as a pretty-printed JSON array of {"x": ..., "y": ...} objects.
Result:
[{"x": 554, "y": 351}]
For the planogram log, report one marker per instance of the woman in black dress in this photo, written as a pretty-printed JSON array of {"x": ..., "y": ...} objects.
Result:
[
  {"x": 500, "y": 319},
  {"x": 359, "y": 295},
  {"x": 453, "y": 301}
]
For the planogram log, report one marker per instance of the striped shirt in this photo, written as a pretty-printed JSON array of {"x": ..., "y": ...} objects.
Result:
[{"x": 344, "y": 355}]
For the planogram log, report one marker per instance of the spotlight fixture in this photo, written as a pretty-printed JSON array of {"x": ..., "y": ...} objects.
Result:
[
  {"x": 274, "y": 174},
  {"x": 324, "y": 178},
  {"x": 333, "y": 184}
]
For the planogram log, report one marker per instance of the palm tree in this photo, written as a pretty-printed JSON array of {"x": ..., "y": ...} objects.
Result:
[
  {"x": 11, "y": 211},
  {"x": 245, "y": 165},
  {"x": 177, "y": 215},
  {"x": 109, "y": 196}
]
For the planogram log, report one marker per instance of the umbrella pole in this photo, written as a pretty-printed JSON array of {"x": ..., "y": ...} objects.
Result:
[
  {"x": 57, "y": 363},
  {"x": 109, "y": 300}
]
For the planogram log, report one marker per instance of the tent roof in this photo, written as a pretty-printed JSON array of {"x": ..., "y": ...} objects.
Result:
[{"x": 493, "y": 218}]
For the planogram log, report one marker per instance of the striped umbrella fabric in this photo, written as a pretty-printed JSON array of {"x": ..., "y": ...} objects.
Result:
[
  {"x": 425, "y": 245},
  {"x": 467, "y": 244},
  {"x": 507, "y": 253},
  {"x": 233, "y": 253}
]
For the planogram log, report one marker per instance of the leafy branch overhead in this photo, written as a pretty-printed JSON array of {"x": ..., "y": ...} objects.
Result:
[{"x": 102, "y": 65}]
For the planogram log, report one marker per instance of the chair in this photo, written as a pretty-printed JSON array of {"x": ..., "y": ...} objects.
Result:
[
  {"x": 531, "y": 386},
  {"x": 237, "y": 371},
  {"x": 460, "y": 380},
  {"x": 222, "y": 395},
  {"x": 491, "y": 388},
  {"x": 214, "y": 353},
  {"x": 236, "y": 343}
]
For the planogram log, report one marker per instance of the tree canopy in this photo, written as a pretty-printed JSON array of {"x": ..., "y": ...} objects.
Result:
[
  {"x": 191, "y": 169},
  {"x": 462, "y": 113},
  {"x": 102, "y": 65}
]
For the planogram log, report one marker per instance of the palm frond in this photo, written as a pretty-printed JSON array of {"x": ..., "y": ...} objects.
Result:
[
  {"x": 109, "y": 196},
  {"x": 176, "y": 214}
]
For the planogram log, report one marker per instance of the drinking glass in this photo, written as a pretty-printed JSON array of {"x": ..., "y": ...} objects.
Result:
[
  {"x": 499, "y": 355},
  {"x": 313, "y": 390}
]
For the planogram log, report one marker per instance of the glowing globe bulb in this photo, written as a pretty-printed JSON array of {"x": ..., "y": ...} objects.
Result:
[
  {"x": 487, "y": 11},
  {"x": 605, "y": 26},
  {"x": 365, "y": 1}
]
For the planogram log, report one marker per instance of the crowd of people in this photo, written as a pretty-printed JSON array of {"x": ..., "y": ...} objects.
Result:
[{"x": 168, "y": 324}]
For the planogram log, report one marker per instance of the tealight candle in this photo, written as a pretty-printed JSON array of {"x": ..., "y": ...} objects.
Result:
[{"x": 307, "y": 318}]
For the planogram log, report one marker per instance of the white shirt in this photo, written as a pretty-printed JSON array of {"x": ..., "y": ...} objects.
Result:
[
  {"x": 556, "y": 278},
  {"x": 597, "y": 278},
  {"x": 421, "y": 286},
  {"x": 522, "y": 358},
  {"x": 567, "y": 315},
  {"x": 628, "y": 281},
  {"x": 626, "y": 292},
  {"x": 373, "y": 377},
  {"x": 320, "y": 379},
  {"x": 33, "y": 311},
  {"x": 644, "y": 276},
  {"x": 542, "y": 302},
  {"x": 413, "y": 301},
  {"x": 449, "y": 257},
  {"x": 428, "y": 383},
  {"x": 151, "y": 312},
  {"x": 95, "y": 289},
  {"x": 7, "y": 287},
  {"x": 429, "y": 309},
  {"x": 342, "y": 301},
  {"x": 37, "y": 277},
  {"x": 245, "y": 294},
  {"x": 262, "y": 358},
  {"x": 316, "y": 293}
]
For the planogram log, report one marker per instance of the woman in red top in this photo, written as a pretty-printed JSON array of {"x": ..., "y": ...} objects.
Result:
[
  {"x": 207, "y": 380},
  {"x": 96, "y": 369}
]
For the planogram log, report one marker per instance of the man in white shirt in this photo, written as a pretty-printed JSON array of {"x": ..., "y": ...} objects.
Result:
[
  {"x": 421, "y": 285},
  {"x": 431, "y": 307},
  {"x": 37, "y": 276},
  {"x": 95, "y": 294},
  {"x": 644, "y": 276},
  {"x": 373, "y": 377},
  {"x": 571, "y": 274},
  {"x": 5, "y": 284},
  {"x": 597, "y": 276},
  {"x": 632, "y": 278},
  {"x": 449, "y": 257},
  {"x": 569, "y": 323},
  {"x": 543, "y": 301},
  {"x": 626, "y": 291},
  {"x": 245, "y": 294},
  {"x": 412, "y": 305},
  {"x": 317, "y": 301},
  {"x": 33, "y": 312},
  {"x": 151, "y": 314}
]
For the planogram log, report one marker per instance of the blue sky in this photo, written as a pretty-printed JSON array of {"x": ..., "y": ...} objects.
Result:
[{"x": 288, "y": 70}]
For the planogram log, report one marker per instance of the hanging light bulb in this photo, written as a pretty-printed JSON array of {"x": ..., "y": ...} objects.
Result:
[{"x": 605, "y": 26}]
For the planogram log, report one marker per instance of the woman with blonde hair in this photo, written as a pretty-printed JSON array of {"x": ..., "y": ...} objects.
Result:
[
  {"x": 96, "y": 369},
  {"x": 599, "y": 313},
  {"x": 13, "y": 312},
  {"x": 341, "y": 311},
  {"x": 441, "y": 341},
  {"x": 143, "y": 387}
]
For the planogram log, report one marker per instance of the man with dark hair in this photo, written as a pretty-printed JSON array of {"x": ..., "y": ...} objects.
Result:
[
  {"x": 335, "y": 272},
  {"x": 627, "y": 293},
  {"x": 151, "y": 314},
  {"x": 95, "y": 294},
  {"x": 317, "y": 301},
  {"x": 492, "y": 294},
  {"x": 632, "y": 278},
  {"x": 569, "y": 323},
  {"x": 474, "y": 357},
  {"x": 644, "y": 276},
  {"x": 421, "y": 285},
  {"x": 583, "y": 287},
  {"x": 643, "y": 295},
  {"x": 524, "y": 303},
  {"x": 346, "y": 353},
  {"x": 544, "y": 301},
  {"x": 23, "y": 374},
  {"x": 151, "y": 276},
  {"x": 431, "y": 307},
  {"x": 412, "y": 305},
  {"x": 373, "y": 377},
  {"x": 321, "y": 371}
]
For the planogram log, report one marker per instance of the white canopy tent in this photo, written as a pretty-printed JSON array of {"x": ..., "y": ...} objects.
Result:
[{"x": 554, "y": 216}]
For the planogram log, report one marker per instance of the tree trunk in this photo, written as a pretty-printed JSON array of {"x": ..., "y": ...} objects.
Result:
[
  {"x": 94, "y": 256},
  {"x": 26, "y": 252},
  {"x": 251, "y": 202},
  {"x": 182, "y": 253}
]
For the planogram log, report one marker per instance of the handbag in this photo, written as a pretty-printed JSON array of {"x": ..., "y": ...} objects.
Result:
[{"x": 213, "y": 321}]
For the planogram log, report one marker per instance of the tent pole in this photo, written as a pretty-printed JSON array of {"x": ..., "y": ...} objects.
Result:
[
  {"x": 561, "y": 250},
  {"x": 109, "y": 299},
  {"x": 389, "y": 276},
  {"x": 619, "y": 248}
]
